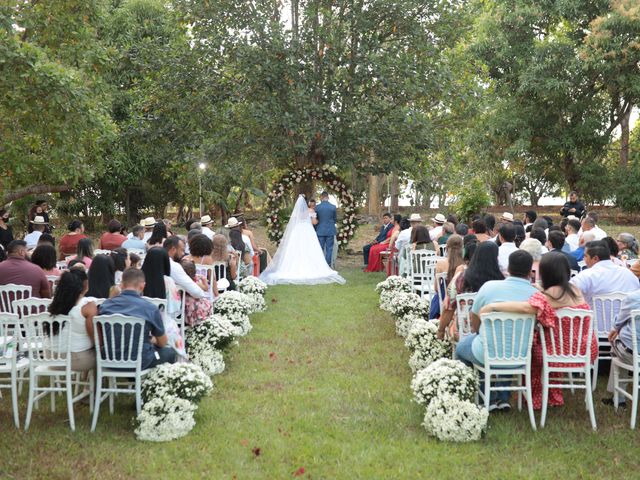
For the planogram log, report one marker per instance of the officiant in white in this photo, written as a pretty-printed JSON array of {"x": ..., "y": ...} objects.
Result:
[{"x": 300, "y": 259}]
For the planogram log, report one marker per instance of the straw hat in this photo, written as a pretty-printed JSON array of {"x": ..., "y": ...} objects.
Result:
[
  {"x": 206, "y": 220},
  {"x": 439, "y": 218},
  {"x": 415, "y": 217},
  {"x": 507, "y": 217},
  {"x": 232, "y": 223},
  {"x": 148, "y": 222},
  {"x": 38, "y": 220}
]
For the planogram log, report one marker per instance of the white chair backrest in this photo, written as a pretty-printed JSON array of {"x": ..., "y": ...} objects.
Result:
[
  {"x": 565, "y": 343},
  {"x": 573, "y": 273},
  {"x": 507, "y": 338},
  {"x": 101, "y": 252},
  {"x": 582, "y": 264},
  {"x": 207, "y": 272},
  {"x": 160, "y": 303},
  {"x": 118, "y": 340},
  {"x": 48, "y": 340},
  {"x": 9, "y": 333},
  {"x": 220, "y": 269},
  {"x": 138, "y": 251},
  {"x": 441, "y": 282},
  {"x": 443, "y": 250},
  {"x": 423, "y": 271},
  {"x": 635, "y": 338},
  {"x": 464, "y": 302},
  {"x": 180, "y": 317},
  {"x": 606, "y": 309},
  {"x": 62, "y": 265},
  {"x": 404, "y": 261},
  {"x": 11, "y": 292},
  {"x": 31, "y": 306},
  {"x": 53, "y": 283}
]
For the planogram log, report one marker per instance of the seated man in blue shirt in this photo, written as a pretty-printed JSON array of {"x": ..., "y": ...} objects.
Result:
[
  {"x": 136, "y": 241},
  {"x": 130, "y": 302},
  {"x": 516, "y": 287},
  {"x": 621, "y": 340}
]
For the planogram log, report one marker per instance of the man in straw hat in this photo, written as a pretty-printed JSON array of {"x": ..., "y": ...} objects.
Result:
[
  {"x": 148, "y": 224},
  {"x": 39, "y": 224},
  {"x": 205, "y": 222},
  {"x": 438, "y": 222},
  {"x": 405, "y": 235}
]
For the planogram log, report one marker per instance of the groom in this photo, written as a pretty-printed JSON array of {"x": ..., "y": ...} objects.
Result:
[{"x": 326, "y": 228}]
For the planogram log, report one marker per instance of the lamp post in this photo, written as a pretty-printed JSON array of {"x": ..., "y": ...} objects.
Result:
[{"x": 201, "y": 167}]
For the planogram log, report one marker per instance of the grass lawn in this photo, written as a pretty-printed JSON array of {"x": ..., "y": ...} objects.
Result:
[{"x": 321, "y": 383}]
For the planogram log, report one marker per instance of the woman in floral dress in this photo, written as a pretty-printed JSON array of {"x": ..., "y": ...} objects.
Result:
[{"x": 556, "y": 293}]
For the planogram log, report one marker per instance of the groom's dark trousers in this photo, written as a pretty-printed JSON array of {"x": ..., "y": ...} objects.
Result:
[{"x": 326, "y": 243}]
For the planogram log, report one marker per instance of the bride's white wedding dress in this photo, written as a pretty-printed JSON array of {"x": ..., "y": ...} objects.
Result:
[{"x": 299, "y": 259}]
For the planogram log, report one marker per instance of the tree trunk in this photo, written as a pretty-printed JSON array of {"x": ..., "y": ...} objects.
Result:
[
  {"x": 394, "y": 192},
  {"x": 33, "y": 190},
  {"x": 373, "y": 198},
  {"x": 624, "y": 138}
]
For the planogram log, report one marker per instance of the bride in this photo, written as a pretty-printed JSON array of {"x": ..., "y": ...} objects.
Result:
[{"x": 299, "y": 259}]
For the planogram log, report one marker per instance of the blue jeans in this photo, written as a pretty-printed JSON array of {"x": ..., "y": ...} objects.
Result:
[
  {"x": 464, "y": 352},
  {"x": 163, "y": 355},
  {"x": 326, "y": 244}
]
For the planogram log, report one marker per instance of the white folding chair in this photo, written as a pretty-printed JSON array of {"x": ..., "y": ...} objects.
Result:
[
  {"x": 220, "y": 272},
  {"x": 209, "y": 273},
  {"x": 53, "y": 283},
  {"x": 160, "y": 303},
  {"x": 606, "y": 309},
  {"x": 507, "y": 339},
  {"x": 464, "y": 302},
  {"x": 443, "y": 250},
  {"x": 12, "y": 368},
  {"x": 619, "y": 384},
  {"x": 11, "y": 292},
  {"x": 49, "y": 356},
  {"x": 101, "y": 252},
  {"x": 180, "y": 317},
  {"x": 404, "y": 261},
  {"x": 423, "y": 271},
  {"x": 441, "y": 284},
  {"x": 118, "y": 340},
  {"x": 31, "y": 306},
  {"x": 62, "y": 265},
  {"x": 582, "y": 264},
  {"x": 573, "y": 273},
  {"x": 564, "y": 352}
]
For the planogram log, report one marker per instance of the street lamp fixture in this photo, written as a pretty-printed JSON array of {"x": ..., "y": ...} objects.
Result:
[{"x": 201, "y": 166}]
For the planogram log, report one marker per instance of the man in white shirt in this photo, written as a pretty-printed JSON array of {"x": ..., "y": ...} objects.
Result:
[
  {"x": 32, "y": 238},
  {"x": 436, "y": 232},
  {"x": 175, "y": 248},
  {"x": 589, "y": 224},
  {"x": 135, "y": 241},
  {"x": 573, "y": 239},
  {"x": 507, "y": 236},
  {"x": 148, "y": 224},
  {"x": 205, "y": 222},
  {"x": 602, "y": 275},
  {"x": 404, "y": 237}
]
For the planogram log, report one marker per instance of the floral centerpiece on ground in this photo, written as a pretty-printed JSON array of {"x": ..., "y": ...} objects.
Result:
[
  {"x": 389, "y": 288},
  {"x": 425, "y": 347},
  {"x": 409, "y": 303},
  {"x": 453, "y": 420},
  {"x": 167, "y": 418},
  {"x": 255, "y": 289},
  {"x": 235, "y": 307},
  {"x": 183, "y": 380},
  {"x": 444, "y": 376}
]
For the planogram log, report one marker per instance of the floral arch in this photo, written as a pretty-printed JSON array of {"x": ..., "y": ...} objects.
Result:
[{"x": 333, "y": 184}]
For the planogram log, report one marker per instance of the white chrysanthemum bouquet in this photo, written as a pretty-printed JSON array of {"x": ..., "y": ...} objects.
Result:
[
  {"x": 409, "y": 303},
  {"x": 182, "y": 380},
  {"x": 163, "y": 419},
  {"x": 235, "y": 307},
  {"x": 425, "y": 347},
  {"x": 390, "y": 288},
  {"x": 444, "y": 376},
  {"x": 453, "y": 420},
  {"x": 255, "y": 289}
]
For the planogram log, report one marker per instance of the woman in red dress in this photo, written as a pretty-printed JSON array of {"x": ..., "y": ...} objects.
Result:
[
  {"x": 375, "y": 260},
  {"x": 556, "y": 293}
]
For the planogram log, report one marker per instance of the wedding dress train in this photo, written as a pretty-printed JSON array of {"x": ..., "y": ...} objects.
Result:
[{"x": 299, "y": 258}]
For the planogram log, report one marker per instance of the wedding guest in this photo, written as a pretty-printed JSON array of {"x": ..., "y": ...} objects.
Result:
[
  {"x": 374, "y": 264},
  {"x": 530, "y": 216},
  {"x": 136, "y": 241},
  {"x": 506, "y": 237},
  {"x": 602, "y": 276},
  {"x": 506, "y": 217},
  {"x": 35, "y": 211},
  {"x": 621, "y": 340},
  {"x": 534, "y": 248},
  {"x": 121, "y": 262},
  {"x": 158, "y": 283},
  {"x": 521, "y": 234},
  {"x": 229, "y": 261},
  {"x": 614, "y": 251},
  {"x": 540, "y": 235},
  {"x": 462, "y": 229},
  {"x": 387, "y": 225},
  {"x": 585, "y": 238},
  {"x": 70, "y": 300},
  {"x": 18, "y": 270},
  {"x": 452, "y": 219},
  {"x": 102, "y": 278},
  {"x": 590, "y": 224},
  {"x": 312, "y": 212},
  {"x": 6, "y": 232},
  {"x": 447, "y": 265},
  {"x": 480, "y": 230},
  {"x": 135, "y": 260},
  {"x": 490, "y": 222},
  {"x": 516, "y": 287},
  {"x": 197, "y": 310},
  {"x": 200, "y": 248},
  {"x": 37, "y": 229},
  {"x": 556, "y": 293},
  {"x": 168, "y": 225},
  {"x": 573, "y": 206},
  {"x": 68, "y": 244},
  {"x": 205, "y": 222},
  {"x": 175, "y": 249},
  {"x": 155, "y": 350},
  {"x": 112, "y": 238},
  {"x": 628, "y": 246},
  {"x": 47, "y": 238},
  {"x": 404, "y": 237},
  {"x": 447, "y": 231},
  {"x": 555, "y": 244},
  {"x": 438, "y": 222},
  {"x": 158, "y": 236},
  {"x": 235, "y": 225},
  {"x": 45, "y": 257},
  {"x": 421, "y": 239}
]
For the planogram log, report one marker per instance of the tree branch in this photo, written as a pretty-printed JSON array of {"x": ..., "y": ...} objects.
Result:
[{"x": 32, "y": 190}]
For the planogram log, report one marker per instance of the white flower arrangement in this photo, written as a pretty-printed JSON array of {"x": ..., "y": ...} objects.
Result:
[
  {"x": 424, "y": 345},
  {"x": 405, "y": 322},
  {"x": 183, "y": 380},
  {"x": 163, "y": 419},
  {"x": 444, "y": 376},
  {"x": 394, "y": 283},
  {"x": 215, "y": 333},
  {"x": 249, "y": 285},
  {"x": 211, "y": 361},
  {"x": 409, "y": 303},
  {"x": 232, "y": 303},
  {"x": 450, "y": 419}
]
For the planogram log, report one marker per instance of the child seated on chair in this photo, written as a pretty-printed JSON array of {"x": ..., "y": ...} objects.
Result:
[{"x": 197, "y": 310}]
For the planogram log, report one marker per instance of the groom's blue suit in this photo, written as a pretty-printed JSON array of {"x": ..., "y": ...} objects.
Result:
[{"x": 326, "y": 228}]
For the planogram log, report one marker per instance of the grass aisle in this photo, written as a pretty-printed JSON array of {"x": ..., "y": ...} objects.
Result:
[{"x": 320, "y": 384}]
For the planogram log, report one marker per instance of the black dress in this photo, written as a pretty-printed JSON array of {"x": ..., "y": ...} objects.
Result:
[{"x": 6, "y": 236}]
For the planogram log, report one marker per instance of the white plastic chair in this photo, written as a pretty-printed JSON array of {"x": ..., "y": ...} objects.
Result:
[
  {"x": 619, "y": 383},
  {"x": 423, "y": 271},
  {"x": 507, "y": 339},
  {"x": 101, "y": 252},
  {"x": 582, "y": 264},
  {"x": 209, "y": 273},
  {"x": 11, "y": 292},
  {"x": 11, "y": 368},
  {"x": 180, "y": 317},
  {"x": 62, "y": 265},
  {"x": 53, "y": 283},
  {"x": 118, "y": 340},
  {"x": 31, "y": 306},
  {"x": 220, "y": 270},
  {"x": 441, "y": 283},
  {"x": 464, "y": 302},
  {"x": 443, "y": 250},
  {"x": 564, "y": 352},
  {"x": 605, "y": 309},
  {"x": 404, "y": 261},
  {"x": 49, "y": 356},
  {"x": 160, "y": 303}
]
